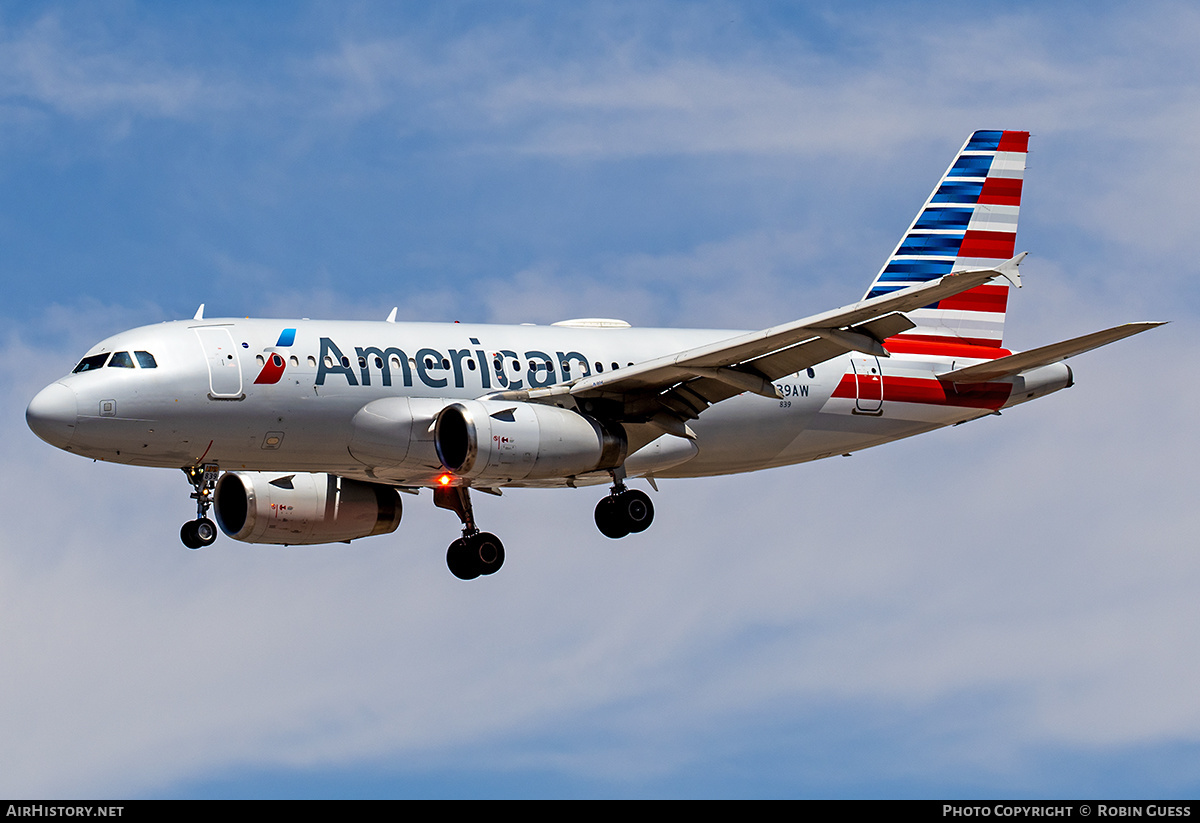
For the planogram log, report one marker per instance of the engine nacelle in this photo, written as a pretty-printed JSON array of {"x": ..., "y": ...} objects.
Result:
[
  {"x": 396, "y": 433},
  {"x": 299, "y": 509},
  {"x": 498, "y": 441}
]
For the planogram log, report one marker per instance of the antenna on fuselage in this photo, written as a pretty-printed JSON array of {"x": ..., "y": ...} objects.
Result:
[
  {"x": 392, "y": 316},
  {"x": 199, "y": 313}
]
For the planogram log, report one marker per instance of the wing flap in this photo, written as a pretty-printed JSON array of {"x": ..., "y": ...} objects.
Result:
[
  {"x": 1044, "y": 355},
  {"x": 714, "y": 391},
  {"x": 881, "y": 328},
  {"x": 798, "y": 358}
]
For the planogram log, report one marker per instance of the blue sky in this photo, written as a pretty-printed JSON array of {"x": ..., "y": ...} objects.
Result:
[{"x": 1002, "y": 609}]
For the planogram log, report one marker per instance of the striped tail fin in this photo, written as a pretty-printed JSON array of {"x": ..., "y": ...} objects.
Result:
[{"x": 969, "y": 222}]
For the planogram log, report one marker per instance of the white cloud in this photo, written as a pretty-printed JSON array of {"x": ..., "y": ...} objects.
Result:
[{"x": 45, "y": 65}]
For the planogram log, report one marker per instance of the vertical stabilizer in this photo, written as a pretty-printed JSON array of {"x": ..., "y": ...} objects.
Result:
[{"x": 968, "y": 222}]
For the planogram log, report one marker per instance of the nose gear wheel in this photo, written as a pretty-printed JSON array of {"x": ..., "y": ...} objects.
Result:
[
  {"x": 196, "y": 534},
  {"x": 201, "y": 532}
]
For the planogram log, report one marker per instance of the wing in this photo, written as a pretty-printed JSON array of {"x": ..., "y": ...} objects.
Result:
[
  {"x": 677, "y": 387},
  {"x": 1003, "y": 367}
]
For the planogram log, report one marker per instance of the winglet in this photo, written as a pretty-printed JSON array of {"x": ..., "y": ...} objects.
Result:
[
  {"x": 199, "y": 315},
  {"x": 1008, "y": 269},
  {"x": 391, "y": 318}
]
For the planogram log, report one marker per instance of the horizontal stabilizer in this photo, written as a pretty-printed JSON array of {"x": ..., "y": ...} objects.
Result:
[{"x": 1043, "y": 356}]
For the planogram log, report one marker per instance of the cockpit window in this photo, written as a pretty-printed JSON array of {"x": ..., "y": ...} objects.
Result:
[
  {"x": 145, "y": 360},
  {"x": 96, "y": 361},
  {"x": 121, "y": 360}
]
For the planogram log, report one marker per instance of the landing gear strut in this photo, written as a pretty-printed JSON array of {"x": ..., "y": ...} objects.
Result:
[
  {"x": 624, "y": 511},
  {"x": 201, "y": 532},
  {"x": 475, "y": 553}
]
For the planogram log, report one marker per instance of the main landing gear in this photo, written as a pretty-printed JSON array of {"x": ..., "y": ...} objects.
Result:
[
  {"x": 475, "y": 553},
  {"x": 201, "y": 532},
  {"x": 624, "y": 511}
]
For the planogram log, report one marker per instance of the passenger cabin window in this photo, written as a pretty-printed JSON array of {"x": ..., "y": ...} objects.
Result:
[
  {"x": 96, "y": 361},
  {"x": 146, "y": 360},
  {"x": 121, "y": 360}
]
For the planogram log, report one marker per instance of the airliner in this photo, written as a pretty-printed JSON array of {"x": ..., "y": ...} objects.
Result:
[{"x": 307, "y": 431}]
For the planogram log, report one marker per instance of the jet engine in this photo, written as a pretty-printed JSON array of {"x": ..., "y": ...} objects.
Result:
[
  {"x": 299, "y": 509},
  {"x": 396, "y": 434},
  {"x": 497, "y": 441}
]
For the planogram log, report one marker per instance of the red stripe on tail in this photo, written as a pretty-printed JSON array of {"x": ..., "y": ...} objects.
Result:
[
  {"x": 1001, "y": 191},
  {"x": 996, "y": 244},
  {"x": 980, "y": 298},
  {"x": 949, "y": 348},
  {"x": 1014, "y": 141}
]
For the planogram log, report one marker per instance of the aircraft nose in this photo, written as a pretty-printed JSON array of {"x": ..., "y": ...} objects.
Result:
[{"x": 52, "y": 414}]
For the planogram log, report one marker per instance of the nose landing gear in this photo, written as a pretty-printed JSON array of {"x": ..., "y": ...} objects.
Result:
[{"x": 201, "y": 532}]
